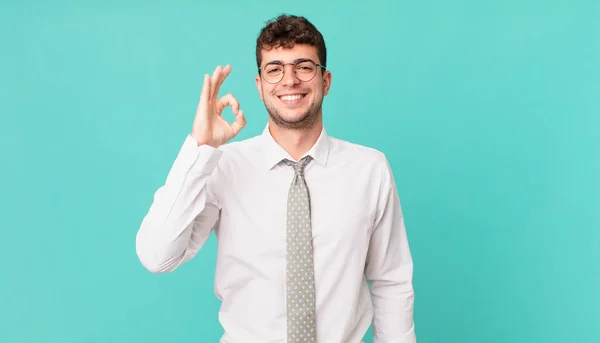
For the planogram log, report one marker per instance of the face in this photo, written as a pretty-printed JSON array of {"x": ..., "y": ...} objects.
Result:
[{"x": 292, "y": 103}]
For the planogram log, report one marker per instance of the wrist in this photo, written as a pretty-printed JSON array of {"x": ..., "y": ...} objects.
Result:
[{"x": 202, "y": 141}]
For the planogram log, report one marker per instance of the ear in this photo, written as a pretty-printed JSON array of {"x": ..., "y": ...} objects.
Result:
[
  {"x": 326, "y": 82},
  {"x": 259, "y": 87}
]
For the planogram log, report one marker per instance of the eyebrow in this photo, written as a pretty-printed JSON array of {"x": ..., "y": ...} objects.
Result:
[{"x": 302, "y": 59}]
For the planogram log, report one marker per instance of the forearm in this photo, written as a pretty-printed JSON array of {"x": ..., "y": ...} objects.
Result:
[{"x": 180, "y": 218}]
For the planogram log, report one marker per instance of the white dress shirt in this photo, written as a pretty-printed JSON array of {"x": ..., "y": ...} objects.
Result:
[{"x": 240, "y": 191}]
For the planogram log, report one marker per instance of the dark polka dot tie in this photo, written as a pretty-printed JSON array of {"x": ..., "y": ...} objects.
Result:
[{"x": 300, "y": 282}]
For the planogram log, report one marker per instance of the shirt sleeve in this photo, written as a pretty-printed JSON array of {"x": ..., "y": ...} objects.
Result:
[
  {"x": 390, "y": 269},
  {"x": 183, "y": 212}
]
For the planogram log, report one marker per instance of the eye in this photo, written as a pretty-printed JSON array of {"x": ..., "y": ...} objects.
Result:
[
  {"x": 273, "y": 69},
  {"x": 305, "y": 67}
]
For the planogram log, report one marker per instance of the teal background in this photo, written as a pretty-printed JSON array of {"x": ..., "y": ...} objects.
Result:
[{"x": 488, "y": 111}]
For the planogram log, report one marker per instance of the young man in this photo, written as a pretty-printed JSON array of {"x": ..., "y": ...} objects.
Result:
[{"x": 303, "y": 220}]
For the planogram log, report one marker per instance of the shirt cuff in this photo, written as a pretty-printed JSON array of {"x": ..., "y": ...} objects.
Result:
[{"x": 198, "y": 159}]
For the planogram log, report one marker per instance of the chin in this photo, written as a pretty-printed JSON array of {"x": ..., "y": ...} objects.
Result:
[
  {"x": 296, "y": 117},
  {"x": 303, "y": 120},
  {"x": 293, "y": 116}
]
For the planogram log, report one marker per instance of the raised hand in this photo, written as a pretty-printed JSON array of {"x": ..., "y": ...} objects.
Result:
[{"x": 210, "y": 128}]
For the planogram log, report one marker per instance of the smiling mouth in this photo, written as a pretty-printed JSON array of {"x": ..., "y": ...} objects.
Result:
[{"x": 291, "y": 98}]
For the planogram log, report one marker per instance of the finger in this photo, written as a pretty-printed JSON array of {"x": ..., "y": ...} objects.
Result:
[
  {"x": 239, "y": 123},
  {"x": 220, "y": 79},
  {"x": 228, "y": 100},
  {"x": 204, "y": 94},
  {"x": 213, "y": 81}
]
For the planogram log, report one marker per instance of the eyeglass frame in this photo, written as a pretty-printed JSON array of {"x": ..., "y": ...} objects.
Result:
[{"x": 300, "y": 60}]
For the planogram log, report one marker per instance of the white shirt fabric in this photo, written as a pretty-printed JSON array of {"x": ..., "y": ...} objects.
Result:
[{"x": 240, "y": 190}]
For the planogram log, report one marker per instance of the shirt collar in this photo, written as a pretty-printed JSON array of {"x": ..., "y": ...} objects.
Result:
[{"x": 274, "y": 153}]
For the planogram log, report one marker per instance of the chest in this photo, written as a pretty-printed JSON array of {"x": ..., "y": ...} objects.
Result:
[{"x": 255, "y": 211}]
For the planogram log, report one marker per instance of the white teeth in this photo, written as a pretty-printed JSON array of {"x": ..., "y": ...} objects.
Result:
[{"x": 292, "y": 97}]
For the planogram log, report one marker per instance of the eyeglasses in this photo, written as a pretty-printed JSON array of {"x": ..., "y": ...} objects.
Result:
[{"x": 304, "y": 69}]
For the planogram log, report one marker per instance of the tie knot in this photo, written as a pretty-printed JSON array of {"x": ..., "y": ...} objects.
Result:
[{"x": 298, "y": 166}]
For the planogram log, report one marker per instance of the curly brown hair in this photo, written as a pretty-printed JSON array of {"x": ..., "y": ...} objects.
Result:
[{"x": 287, "y": 30}]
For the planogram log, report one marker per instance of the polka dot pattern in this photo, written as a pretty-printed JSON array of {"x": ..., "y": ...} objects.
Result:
[{"x": 299, "y": 267}]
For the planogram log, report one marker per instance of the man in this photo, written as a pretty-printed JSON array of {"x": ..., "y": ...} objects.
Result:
[{"x": 303, "y": 220}]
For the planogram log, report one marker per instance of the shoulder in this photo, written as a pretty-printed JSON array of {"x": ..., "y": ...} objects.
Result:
[
  {"x": 365, "y": 158},
  {"x": 361, "y": 154}
]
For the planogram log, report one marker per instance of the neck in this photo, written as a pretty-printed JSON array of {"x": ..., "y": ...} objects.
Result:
[{"x": 296, "y": 141}]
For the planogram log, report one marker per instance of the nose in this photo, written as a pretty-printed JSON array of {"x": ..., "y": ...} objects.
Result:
[{"x": 289, "y": 76}]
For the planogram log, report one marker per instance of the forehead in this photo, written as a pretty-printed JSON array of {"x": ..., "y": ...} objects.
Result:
[{"x": 291, "y": 54}]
